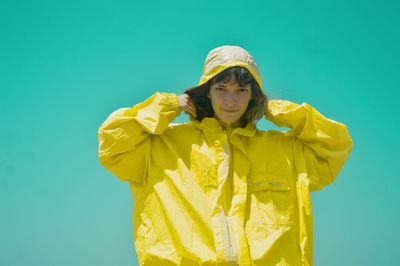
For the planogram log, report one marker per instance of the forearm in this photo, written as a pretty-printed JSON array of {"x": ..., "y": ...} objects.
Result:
[
  {"x": 321, "y": 143},
  {"x": 122, "y": 137},
  {"x": 323, "y": 135}
]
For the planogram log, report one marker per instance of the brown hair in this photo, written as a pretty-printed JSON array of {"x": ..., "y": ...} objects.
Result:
[{"x": 257, "y": 105}]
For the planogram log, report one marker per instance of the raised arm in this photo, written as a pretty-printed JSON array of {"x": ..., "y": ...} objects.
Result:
[
  {"x": 124, "y": 143},
  {"x": 321, "y": 145}
]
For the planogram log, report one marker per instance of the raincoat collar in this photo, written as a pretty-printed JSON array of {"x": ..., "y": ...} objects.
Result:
[{"x": 211, "y": 124}]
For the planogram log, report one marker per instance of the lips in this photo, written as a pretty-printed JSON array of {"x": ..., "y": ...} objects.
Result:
[{"x": 229, "y": 111}]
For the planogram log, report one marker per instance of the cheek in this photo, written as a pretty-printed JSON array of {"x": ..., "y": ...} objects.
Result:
[
  {"x": 244, "y": 102},
  {"x": 215, "y": 99}
]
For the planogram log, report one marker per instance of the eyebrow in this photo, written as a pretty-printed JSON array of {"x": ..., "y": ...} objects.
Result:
[{"x": 223, "y": 85}]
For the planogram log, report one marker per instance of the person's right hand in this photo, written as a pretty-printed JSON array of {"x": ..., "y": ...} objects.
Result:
[{"x": 186, "y": 104}]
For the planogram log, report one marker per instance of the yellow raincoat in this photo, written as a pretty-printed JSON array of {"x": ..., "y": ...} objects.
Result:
[{"x": 207, "y": 196}]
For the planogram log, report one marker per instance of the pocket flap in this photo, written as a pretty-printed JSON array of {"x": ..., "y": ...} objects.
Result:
[{"x": 265, "y": 183}]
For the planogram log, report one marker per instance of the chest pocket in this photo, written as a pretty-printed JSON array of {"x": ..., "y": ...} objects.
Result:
[{"x": 273, "y": 200}]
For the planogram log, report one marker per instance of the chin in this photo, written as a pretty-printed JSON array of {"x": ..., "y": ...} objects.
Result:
[{"x": 229, "y": 121}]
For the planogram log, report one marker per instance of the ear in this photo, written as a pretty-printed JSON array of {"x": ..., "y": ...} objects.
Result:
[{"x": 208, "y": 96}]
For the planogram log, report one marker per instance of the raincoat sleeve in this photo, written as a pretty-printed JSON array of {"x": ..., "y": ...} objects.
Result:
[
  {"x": 321, "y": 145},
  {"x": 124, "y": 142}
]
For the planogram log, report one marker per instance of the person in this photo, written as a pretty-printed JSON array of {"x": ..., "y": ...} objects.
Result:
[{"x": 217, "y": 190}]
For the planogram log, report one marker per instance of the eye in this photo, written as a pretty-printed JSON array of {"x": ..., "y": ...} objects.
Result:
[
  {"x": 243, "y": 90},
  {"x": 219, "y": 89}
]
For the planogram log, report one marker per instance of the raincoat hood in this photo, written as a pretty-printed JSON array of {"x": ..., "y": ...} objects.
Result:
[{"x": 228, "y": 56}]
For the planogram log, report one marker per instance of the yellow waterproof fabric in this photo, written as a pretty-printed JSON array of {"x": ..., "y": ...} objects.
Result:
[
  {"x": 227, "y": 56},
  {"x": 207, "y": 196}
]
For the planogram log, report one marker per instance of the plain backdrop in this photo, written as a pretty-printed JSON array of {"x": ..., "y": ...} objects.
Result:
[{"x": 66, "y": 65}]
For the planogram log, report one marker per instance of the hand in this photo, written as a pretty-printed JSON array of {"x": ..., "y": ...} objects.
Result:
[{"x": 186, "y": 104}]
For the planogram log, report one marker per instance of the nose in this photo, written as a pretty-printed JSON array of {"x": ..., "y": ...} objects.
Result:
[{"x": 230, "y": 99}]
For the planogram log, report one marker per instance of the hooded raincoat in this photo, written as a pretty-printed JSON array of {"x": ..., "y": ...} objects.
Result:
[{"x": 208, "y": 196}]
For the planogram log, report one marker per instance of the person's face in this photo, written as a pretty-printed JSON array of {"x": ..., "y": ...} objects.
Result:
[{"x": 229, "y": 101}]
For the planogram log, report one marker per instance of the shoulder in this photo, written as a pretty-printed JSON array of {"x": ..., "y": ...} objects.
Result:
[
  {"x": 175, "y": 129},
  {"x": 269, "y": 134},
  {"x": 181, "y": 126},
  {"x": 272, "y": 137}
]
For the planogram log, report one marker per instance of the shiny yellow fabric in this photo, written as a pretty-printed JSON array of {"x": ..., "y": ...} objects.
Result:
[
  {"x": 228, "y": 56},
  {"x": 208, "y": 196}
]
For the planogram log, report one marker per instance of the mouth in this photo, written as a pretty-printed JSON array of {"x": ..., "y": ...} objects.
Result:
[{"x": 229, "y": 111}]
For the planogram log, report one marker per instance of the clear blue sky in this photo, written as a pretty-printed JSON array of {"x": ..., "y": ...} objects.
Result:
[{"x": 66, "y": 65}]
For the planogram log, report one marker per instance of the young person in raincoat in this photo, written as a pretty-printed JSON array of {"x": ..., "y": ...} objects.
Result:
[{"x": 217, "y": 190}]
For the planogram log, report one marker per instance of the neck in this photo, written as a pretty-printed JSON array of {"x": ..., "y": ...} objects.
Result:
[{"x": 228, "y": 126}]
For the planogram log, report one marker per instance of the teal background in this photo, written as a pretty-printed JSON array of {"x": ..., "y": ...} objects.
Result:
[{"x": 66, "y": 65}]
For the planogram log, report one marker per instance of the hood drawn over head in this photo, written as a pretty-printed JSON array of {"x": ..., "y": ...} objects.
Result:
[{"x": 228, "y": 56}]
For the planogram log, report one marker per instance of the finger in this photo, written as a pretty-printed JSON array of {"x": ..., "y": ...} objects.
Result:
[
  {"x": 189, "y": 100},
  {"x": 191, "y": 111},
  {"x": 191, "y": 107}
]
